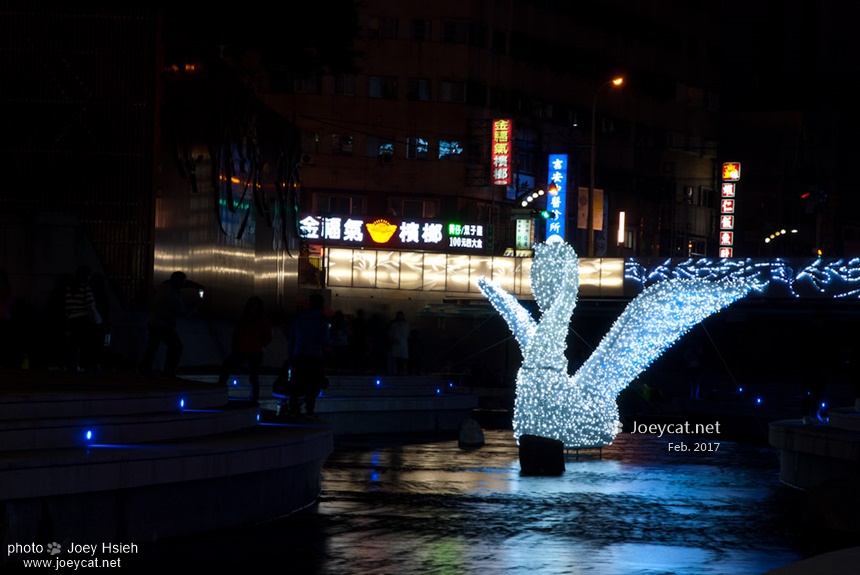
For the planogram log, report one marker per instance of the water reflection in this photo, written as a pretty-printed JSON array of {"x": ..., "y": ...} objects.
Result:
[
  {"x": 432, "y": 507},
  {"x": 634, "y": 508}
]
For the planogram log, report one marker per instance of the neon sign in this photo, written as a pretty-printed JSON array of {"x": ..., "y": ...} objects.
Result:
[
  {"x": 557, "y": 198},
  {"x": 405, "y": 233},
  {"x": 731, "y": 174},
  {"x": 502, "y": 152}
]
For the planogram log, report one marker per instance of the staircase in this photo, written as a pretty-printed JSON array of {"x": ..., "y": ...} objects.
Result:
[{"x": 113, "y": 457}]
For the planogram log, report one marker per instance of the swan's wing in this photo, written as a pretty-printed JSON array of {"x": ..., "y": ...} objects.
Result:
[
  {"x": 518, "y": 318},
  {"x": 650, "y": 324}
]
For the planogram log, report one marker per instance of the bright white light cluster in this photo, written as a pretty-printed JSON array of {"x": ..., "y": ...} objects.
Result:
[
  {"x": 581, "y": 410},
  {"x": 838, "y": 278}
]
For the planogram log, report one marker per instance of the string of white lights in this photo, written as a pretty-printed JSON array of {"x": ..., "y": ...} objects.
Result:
[
  {"x": 836, "y": 278},
  {"x": 581, "y": 410}
]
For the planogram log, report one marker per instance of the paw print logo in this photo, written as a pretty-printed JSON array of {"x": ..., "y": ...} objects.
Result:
[{"x": 54, "y": 548}]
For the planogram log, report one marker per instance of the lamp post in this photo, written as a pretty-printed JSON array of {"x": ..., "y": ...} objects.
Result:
[{"x": 590, "y": 225}]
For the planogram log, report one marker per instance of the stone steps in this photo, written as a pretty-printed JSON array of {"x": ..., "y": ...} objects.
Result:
[{"x": 162, "y": 458}]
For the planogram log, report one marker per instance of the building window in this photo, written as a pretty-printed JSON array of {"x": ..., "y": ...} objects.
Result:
[
  {"x": 421, "y": 30},
  {"x": 382, "y": 87},
  {"x": 382, "y": 28},
  {"x": 450, "y": 150},
  {"x": 281, "y": 81},
  {"x": 341, "y": 145},
  {"x": 455, "y": 32},
  {"x": 306, "y": 85},
  {"x": 380, "y": 147},
  {"x": 418, "y": 89},
  {"x": 344, "y": 85},
  {"x": 413, "y": 208},
  {"x": 339, "y": 205},
  {"x": 453, "y": 92},
  {"x": 417, "y": 149},
  {"x": 310, "y": 141}
]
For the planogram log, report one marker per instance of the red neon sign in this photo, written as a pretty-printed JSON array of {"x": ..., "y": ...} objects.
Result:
[{"x": 502, "y": 152}]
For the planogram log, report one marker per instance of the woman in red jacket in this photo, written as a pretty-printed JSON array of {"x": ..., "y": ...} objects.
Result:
[{"x": 252, "y": 334}]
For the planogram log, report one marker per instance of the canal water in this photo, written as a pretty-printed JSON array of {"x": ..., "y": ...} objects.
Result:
[{"x": 425, "y": 505}]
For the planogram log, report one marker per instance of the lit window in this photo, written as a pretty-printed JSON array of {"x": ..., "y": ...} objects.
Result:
[
  {"x": 450, "y": 150},
  {"x": 417, "y": 148}
]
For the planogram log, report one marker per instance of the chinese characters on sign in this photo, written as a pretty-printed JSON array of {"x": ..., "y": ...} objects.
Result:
[
  {"x": 393, "y": 233},
  {"x": 556, "y": 200},
  {"x": 502, "y": 152},
  {"x": 731, "y": 174}
]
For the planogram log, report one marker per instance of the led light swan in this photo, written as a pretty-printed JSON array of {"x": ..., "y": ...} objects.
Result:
[{"x": 581, "y": 410}]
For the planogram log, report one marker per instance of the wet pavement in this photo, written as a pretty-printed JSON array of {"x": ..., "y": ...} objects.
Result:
[{"x": 431, "y": 507}]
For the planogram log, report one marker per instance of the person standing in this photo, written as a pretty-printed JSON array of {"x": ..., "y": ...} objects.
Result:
[
  {"x": 253, "y": 332},
  {"x": 82, "y": 320},
  {"x": 309, "y": 336},
  {"x": 167, "y": 307},
  {"x": 398, "y": 344},
  {"x": 339, "y": 334}
]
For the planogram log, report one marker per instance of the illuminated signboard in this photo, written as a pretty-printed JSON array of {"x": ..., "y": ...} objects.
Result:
[
  {"x": 731, "y": 174},
  {"x": 394, "y": 233},
  {"x": 556, "y": 200},
  {"x": 502, "y": 152},
  {"x": 731, "y": 171}
]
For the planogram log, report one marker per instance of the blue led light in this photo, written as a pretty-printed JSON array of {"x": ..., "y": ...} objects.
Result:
[
  {"x": 235, "y": 382},
  {"x": 758, "y": 400},
  {"x": 740, "y": 390},
  {"x": 438, "y": 391},
  {"x": 89, "y": 435},
  {"x": 182, "y": 403},
  {"x": 378, "y": 382}
]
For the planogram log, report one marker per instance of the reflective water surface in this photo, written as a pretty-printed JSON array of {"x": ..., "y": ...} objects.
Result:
[{"x": 432, "y": 507}]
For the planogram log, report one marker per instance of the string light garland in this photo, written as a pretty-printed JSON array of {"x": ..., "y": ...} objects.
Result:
[
  {"x": 836, "y": 278},
  {"x": 581, "y": 410}
]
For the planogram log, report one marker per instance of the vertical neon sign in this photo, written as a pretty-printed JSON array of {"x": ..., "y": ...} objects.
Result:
[
  {"x": 556, "y": 201},
  {"x": 502, "y": 152},
  {"x": 731, "y": 175}
]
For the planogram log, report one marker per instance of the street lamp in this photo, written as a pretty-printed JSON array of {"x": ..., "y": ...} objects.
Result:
[{"x": 590, "y": 225}]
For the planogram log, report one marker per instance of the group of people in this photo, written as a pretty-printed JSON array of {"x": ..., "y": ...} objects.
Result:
[
  {"x": 308, "y": 336},
  {"x": 313, "y": 339}
]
